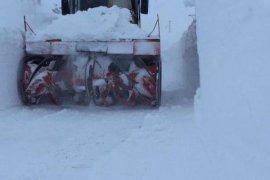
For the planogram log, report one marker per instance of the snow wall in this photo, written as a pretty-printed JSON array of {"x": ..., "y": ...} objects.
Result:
[
  {"x": 233, "y": 102},
  {"x": 233, "y": 42},
  {"x": 10, "y": 54},
  {"x": 11, "y": 42},
  {"x": 190, "y": 62}
]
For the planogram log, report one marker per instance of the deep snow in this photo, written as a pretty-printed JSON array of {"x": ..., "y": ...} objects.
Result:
[
  {"x": 11, "y": 51},
  {"x": 233, "y": 101}
]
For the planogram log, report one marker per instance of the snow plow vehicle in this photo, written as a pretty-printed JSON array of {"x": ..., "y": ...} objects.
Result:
[{"x": 111, "y": 71}]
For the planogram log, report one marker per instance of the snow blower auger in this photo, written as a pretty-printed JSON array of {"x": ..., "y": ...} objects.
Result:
[{"x": 125, "y": 71}]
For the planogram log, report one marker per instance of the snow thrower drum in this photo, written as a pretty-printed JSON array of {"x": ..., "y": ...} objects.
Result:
[
  {"x": 126, "y": 71},
  {"x": 108, "y": 72}
]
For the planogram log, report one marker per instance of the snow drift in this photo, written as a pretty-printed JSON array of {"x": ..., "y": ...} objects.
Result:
[
  {"x": 233, "y": 43},
  {"x": 11, "y": 42},
  {"x": 99, "y": 23},
  {"x": 10, "y": 54},
  {"x": 233, "y": 40}
]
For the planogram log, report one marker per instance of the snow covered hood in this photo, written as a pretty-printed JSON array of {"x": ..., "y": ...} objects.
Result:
[{"x": 100, "y": 23}]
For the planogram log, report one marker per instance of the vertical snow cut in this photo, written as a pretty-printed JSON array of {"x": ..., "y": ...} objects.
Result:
[{"x": 190, "y": 61}]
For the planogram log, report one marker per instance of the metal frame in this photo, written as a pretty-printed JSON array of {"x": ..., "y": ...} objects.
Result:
[{"x": 133, "y": 47}]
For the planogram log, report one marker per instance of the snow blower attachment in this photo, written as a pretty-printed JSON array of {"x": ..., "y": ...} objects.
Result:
[{"x": 126, "y": 71}]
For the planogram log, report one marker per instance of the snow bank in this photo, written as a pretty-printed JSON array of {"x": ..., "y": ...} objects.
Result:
[
  {"x": 10, "y": 54},
  {"x": 233, "y": 46},
  {"x": 11, "y": 42},
  {"x": 100, "y": 23},
  {"x": 233, "y": 43}
]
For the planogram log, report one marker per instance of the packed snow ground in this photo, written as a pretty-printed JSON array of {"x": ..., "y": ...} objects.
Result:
[{"x": 96, "y": 143}]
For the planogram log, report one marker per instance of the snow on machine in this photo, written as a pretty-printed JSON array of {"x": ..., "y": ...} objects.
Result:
[{"x": 106, "y": 70}]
